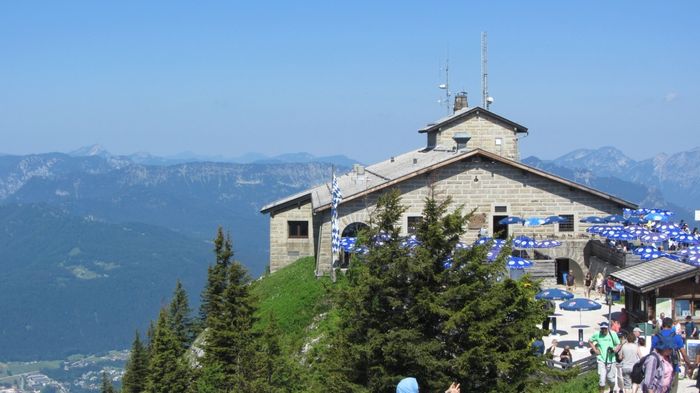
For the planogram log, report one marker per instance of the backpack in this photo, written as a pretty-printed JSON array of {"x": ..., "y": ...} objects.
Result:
[{"x": 637, "y": 375}]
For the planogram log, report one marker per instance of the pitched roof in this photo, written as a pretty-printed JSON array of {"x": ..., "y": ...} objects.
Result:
[
  {"x": 387, "y": 173},
  {"x": 657, "y": 273},
  {"x": 468, "y": 112}
]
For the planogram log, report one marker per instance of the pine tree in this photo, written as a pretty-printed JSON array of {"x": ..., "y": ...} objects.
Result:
[
  {"x": 229, "y": 340},
  {"x": 276, "y": 371},
  {"x": 106, "y": 385},
  {"x": 405, "y": 313},
  {"x": 168, "y": 372},
  {"x": 216, "y": 275},
  {"x": 136, "y": 374},
  {"x": 179, "y": 317}
]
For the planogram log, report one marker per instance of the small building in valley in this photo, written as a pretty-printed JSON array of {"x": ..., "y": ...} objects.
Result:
[{"x": 472, "y": 156}]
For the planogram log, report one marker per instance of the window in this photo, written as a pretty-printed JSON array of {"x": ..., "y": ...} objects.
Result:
[
  {"x": 500, "y": 209},
  {"x": 298, "y": 229},
  {"x": 568, "y": 224},
  {"x": 682, "y": 308},
  {"x": 499, "y": 141},
  {"x": 413, "y": 223}
]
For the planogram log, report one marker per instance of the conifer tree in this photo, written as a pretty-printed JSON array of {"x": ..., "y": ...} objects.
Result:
[
  {"x": 168, "y": 371},
  {"x": 276, "y": 371},
  {"x": 179, "y": 317},
  {"x": 405, "y": 312},
  {"x": 106, "y": 385},
  {"x": 229, "y": 340},
  {"x": 136, "y": 374},
  {"x": 216, "y": 275}
]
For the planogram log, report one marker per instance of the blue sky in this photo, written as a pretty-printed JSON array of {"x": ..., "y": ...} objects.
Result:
[{"x": 355, "y": 78}]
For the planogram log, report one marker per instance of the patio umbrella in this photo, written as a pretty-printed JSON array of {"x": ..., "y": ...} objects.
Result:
[
  {"x": 547, "y": 244},
  {"x": 667, "y": 227},
  {"x": 493, "y": 253},
  {"x": 580, "y": 304},
  {"x": 654, "y": 238},
  {"x": 634, "y": 220},
  {"x": 462, "y": 246},
  {"x": 410, "y": 242},
  {"x": 656, "y": 217},
  {"x": 554, "y": 294},
  {"x": 554, "y": 219},
  {"x": 511, "y": 220},
  {"x": 348, "y": 243},
  {"x": 637, "y": 231},
  {"x": 592, "y": 220},
  {"x": 524, "y": 242},
  {"x": 614, "y": 218},
  {"x": 686, "y": 238},
  {"x": 534, "y": 221},
  {"x": 693, "y": 260},
  {"x": 653, "y": 255},
  {"x": 644, "y": 250},
  {"x": 483, "y": 240},
  {"x": 517, "y": 263},
  {"x": 623, "y": 236}
]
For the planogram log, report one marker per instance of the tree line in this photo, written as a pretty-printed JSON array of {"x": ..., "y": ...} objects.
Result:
[{"x": 401, "y": 312}]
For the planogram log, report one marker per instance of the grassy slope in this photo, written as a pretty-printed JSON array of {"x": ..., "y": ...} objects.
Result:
[{"x": 294, "y": 296}]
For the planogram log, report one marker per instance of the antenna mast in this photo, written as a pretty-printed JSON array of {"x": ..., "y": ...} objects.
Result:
[
  {"x": 485, "y": 99},
  {"x": 446, "y": 86}
]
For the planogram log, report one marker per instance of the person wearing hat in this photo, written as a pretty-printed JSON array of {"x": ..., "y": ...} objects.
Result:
[
  {"x": 658, "y": 367},
  {"x": 667, "y": 333},
  {"x": 605, "y": 344}
]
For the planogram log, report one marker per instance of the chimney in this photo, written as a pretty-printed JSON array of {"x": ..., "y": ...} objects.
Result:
[{"x": 460, "y": 101}]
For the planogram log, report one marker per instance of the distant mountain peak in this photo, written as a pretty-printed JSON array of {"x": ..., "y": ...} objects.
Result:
[{"x": 90, "y": 151}]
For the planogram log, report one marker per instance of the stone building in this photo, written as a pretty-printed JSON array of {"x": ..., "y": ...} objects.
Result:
[{"x": 473, "y": 157}]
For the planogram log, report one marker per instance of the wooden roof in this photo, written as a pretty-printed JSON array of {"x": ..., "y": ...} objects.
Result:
[{"x": 660, "y": 272}]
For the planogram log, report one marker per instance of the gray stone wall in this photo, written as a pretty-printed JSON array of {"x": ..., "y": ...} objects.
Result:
[
  {"x": 484, "y": 134},
  {"x": 497, "y": 184},
  {"x": 285, "y": 250}
]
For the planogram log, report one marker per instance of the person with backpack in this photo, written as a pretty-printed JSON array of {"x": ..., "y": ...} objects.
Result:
[
  {"x": 629, "y": 355},
  {"x": 667, "y": 333},
  {"x": 605, "y": 344},
  {"x": 657, "y": 367},
  {"x": 691, "y": 331}
]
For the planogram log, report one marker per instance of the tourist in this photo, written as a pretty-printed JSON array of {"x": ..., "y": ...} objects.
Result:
[
  {"x": 410, "y": 385},
  {"x": 629, "y": 355},
  {"x": 658, "y": 368},
  {"x": 604, "y": 343},
  {"x": 667, "y": 333},
  {"x": 571, "y": 281},
  {"x": 623, "y": 318},
  {"x": 691, "y": 331},
  {"x": 551, "y": 350},
  {"x": 600, "y": 284},
  {"x": 565, "y": 356},
  {"x": 587, "y": 283}
]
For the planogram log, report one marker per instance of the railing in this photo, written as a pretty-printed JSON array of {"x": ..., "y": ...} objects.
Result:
[
  {"x": 606, "y": 253},
  {"x": 584, "y": 365}
]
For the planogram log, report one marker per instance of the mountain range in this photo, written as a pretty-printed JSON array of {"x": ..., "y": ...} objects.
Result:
[{"x": 91, "y": 243}]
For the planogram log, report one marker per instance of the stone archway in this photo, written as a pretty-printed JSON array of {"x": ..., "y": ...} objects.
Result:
[{"x": 352, "y": 229}]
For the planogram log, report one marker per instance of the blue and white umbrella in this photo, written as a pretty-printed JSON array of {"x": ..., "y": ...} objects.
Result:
[
  {"x": 614, "y": 218},
  {"x": 688, "y": 252},
  {"x": 644, "y": 250},
  {"x": 667, "y": 227},
  {"x": 686, "y": 238},
  {"x": 634, "y": 220},
  {"x": 622, "y": 236},
  {"x": 637, "y": 231},
  {"x": 462, "y": 246},
  {"x": 554, "y": 294},
  {"x": 483, "y": 240},
  {"x": 693, "y": 260},
  {"x": 580, "y": 304},
  {"x": 653, "y": 255},
  {"x": 524, "y": 242},
  {"x": 597, "y": 229},
  {"x": 493, "y": 253},
  {"x": 610, "y": 232},
  {"x": 547, "y": 244},
  {"x": 554, "y": 220},
  {"x": 511, "y": 220},
  {"x": 517, "y": 262},
  {"x": 410, "y": 242},
  {"x": 656, "y": 217},
  {"x": 592, "y": 220},
  {"x": 654, "y": 238},
  {"x": 534, "y": 221},
  {"x": 696, "y": 248}
]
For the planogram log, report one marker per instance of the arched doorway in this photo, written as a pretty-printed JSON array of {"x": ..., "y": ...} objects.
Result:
[{"x": 351, "y": 230}]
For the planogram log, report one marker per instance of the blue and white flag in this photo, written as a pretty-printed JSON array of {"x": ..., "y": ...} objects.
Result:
[{"x": 336, "y": 197}]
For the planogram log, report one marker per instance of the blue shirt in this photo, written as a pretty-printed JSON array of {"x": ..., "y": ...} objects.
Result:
[{"x": 678, "y": 341}]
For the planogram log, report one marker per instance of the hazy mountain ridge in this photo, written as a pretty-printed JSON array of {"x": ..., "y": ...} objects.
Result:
[{"x": 672, "y": 181}]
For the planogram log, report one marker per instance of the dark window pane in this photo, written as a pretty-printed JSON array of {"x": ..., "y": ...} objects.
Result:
[
  {"x": 298, "y": 229},
  {"x": 413, "y": 223},
  {"x": 568, "y": 225},
  {"x": 500, "y": 209}
]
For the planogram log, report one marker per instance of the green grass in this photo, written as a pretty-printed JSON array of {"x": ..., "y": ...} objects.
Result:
[
  {"x": 296, "y": 298},
  {"x": 586, "y": 383},
  {"x": 25, "y": 367}
]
